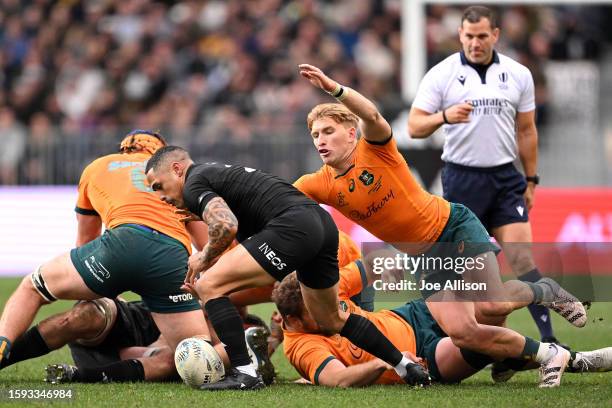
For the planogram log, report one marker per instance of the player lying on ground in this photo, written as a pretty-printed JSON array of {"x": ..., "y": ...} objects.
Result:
[
  {"x": 103, "y": 332},
  {"x": 145, "y": 248},
  {"x": 105, "y": 337},
  {"x": 367, "y": 180},
  {"x": 280, "y": 230},
  {"x": 334, "y": 361}
]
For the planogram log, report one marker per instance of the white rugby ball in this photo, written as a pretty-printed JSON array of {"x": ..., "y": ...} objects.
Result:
[{"x": 197, "y": 362}]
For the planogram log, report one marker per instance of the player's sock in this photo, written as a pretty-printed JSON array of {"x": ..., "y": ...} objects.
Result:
[
  {"x": 5, "y": 348},
  {"x": 476, "y": 360},
  {"x": 227, "y": 323},
  {"x": 540, "y": 314},
  {"x": 538, "y": 292},
  {"x": 248, "y": 370},
  {"x": 546, "y": 351},
  {"x": 400, "y": 368},
  {"x": 121, "y": 371},
  {"x": 29, "y": 345},
  {"x": 533, "y": 349},
  {"x": 364, "y": 334}
]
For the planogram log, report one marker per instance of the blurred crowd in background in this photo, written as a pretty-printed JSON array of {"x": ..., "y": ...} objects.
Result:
[{"x": 221, "y": 76}]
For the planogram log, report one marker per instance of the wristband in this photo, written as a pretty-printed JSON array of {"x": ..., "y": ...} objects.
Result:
[
  {"x": 337, "y": 91},
  {"x": 340, "y": 96},
  {"x": 445, "y": 118}
]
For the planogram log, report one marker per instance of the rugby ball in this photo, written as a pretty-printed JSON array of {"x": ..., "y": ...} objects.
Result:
[{"x": 197, "y": 362}]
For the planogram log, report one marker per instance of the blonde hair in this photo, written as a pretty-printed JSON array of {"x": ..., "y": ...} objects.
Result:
[{"x": 336, "y": 111}]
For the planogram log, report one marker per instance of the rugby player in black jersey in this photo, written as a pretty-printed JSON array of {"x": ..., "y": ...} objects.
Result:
[{"x": 279, "y": 230}]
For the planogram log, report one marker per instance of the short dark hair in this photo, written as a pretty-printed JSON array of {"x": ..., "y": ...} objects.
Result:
[
  {"x": 288, "y": 296},
  {"x": 159, "y": 157},
  {"x": 473, "y": 14}
]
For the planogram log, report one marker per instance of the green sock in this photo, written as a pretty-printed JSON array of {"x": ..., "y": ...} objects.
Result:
[{"x": 531, "y": 349}]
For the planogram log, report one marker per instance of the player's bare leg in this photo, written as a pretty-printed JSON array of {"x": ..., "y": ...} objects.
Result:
[
  {"x": 178, "y": 326},
  {"x": 457, "y": 318},
  {"x": 515, "y": 240},
  {"x": 451, "y": 364},
  {"x": 501, "y": 298},
  {"x": 56, "y": 279},
  {"x": 83, "y": 321}
]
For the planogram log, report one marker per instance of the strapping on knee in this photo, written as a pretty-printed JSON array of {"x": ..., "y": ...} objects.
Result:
[
  {"x": 41, "y": 287},
  {"x": 108, "y": 309}
]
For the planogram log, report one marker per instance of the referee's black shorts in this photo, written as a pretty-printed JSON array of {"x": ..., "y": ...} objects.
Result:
[
  {"x": 302, "y": 238},
  {"x": 494, "y": 194}
]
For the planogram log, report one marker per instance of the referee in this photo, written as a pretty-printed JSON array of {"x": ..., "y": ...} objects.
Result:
[{"x": 485, "y": 102}]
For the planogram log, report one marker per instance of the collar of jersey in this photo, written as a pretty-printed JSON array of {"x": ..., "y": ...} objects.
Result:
[
  {"x": 464, "y": 60},
  {"x": 189, "y": 170},
  {"x": 346, "y": 171}
]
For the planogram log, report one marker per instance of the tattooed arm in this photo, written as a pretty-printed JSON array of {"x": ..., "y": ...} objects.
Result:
[{"x": 222, "y": 229}]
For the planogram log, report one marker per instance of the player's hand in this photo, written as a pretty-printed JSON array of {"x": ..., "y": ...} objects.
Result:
[
  {"x": 459, "y": 113},
  {"x": 190, "y": 288},
  {"x": 317, "y": 77},
  {"x": 383, "y": 364},
  {"x": 199, "y": 262},
  {"x": 186, "y": 216},
  {"x": 195, "y": 266},
  {"x": 413, "y": 357},
  {"x": 276, "y": 332},
  {"x": 529, "y": 196}
]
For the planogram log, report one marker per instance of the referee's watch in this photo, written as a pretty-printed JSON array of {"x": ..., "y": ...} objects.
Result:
[{"x": 533, "y": 179}]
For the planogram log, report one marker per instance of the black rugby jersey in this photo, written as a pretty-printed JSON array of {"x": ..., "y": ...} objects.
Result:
[{"x": 253, "y": 196}]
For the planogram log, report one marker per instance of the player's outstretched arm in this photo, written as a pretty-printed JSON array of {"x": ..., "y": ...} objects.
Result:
[
  {"x": 375, "y": 127},
  {"x": 336, "y": 374}
]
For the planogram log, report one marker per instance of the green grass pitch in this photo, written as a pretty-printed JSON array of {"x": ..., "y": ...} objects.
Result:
[{"x": 577, "y": 390}]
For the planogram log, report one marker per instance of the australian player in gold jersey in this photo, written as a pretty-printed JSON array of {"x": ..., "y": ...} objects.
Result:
[
  {"x": 368, "y": 180},
  {"x": 145, "y": 249}
]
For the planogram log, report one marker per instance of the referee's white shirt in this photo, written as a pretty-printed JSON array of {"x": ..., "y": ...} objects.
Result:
[{"x": 489, "y": 139}]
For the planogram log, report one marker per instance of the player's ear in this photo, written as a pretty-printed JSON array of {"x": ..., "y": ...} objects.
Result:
[
  {"x": 495, "y": 35},
  {"x": 177, "y": 168},
  {"x": 352, "y": 133}
]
